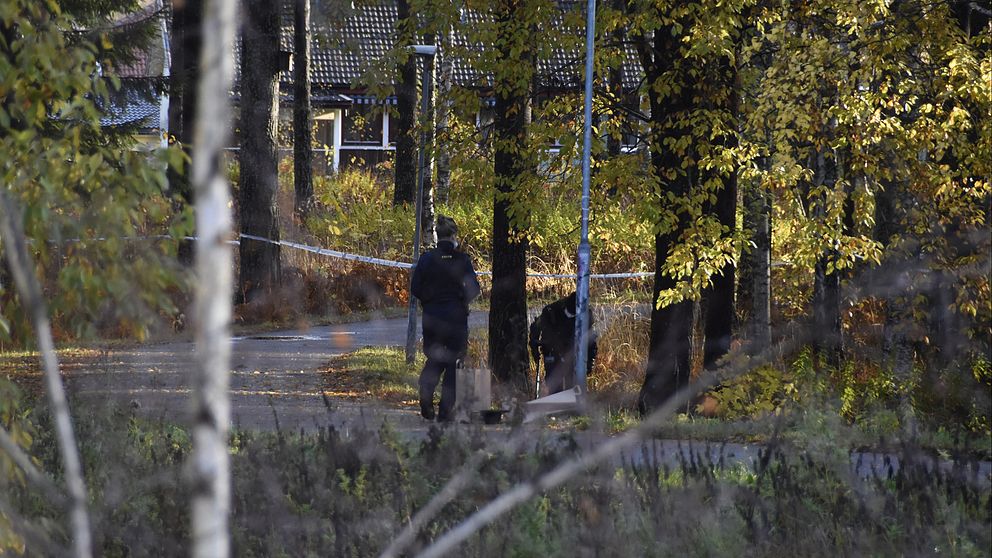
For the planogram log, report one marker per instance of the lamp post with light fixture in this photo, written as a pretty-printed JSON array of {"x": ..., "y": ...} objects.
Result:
[{"x": 426, "y": 53}]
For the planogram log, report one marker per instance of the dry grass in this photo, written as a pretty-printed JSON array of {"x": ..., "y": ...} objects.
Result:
[{"x": 623, "y": 347}]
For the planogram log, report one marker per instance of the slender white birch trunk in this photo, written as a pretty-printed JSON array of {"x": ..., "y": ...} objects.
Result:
[
  {"x": 21, "y": 267},
  {"x": 210, "y": 467}
]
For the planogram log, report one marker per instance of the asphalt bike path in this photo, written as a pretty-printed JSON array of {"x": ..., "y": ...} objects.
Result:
[{"x": 275, "y": 378}]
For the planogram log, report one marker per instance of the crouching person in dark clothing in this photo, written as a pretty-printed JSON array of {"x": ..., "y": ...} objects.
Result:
[
  {"x": 552, "y": 342},
  {"x": 445, "y": 283}
]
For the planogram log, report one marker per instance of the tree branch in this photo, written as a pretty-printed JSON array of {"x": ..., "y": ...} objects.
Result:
[
  {"x": 448, "y": 493},
  {"x": 36, "y": 540},
  {"x": 22, "y": 268},
  {"x": 524, "y": 491},
  {"x": 978, "y": 8}
]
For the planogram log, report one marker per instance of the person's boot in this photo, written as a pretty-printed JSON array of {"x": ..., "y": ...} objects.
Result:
[{"x": 427, "y": 410}]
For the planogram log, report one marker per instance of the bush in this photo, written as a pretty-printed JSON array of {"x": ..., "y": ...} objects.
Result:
[{"x": 356, "y": 215}]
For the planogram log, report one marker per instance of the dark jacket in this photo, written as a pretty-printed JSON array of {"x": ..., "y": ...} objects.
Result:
[
  {"x": 444, "y": 278},
  {"x": 553, "y": 333}
]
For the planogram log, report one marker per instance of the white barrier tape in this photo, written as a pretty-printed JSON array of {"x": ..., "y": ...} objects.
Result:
[
  {"x": 331, "y": 253},
  {"x": 104, "y": 238},
  {"x": 591, "y": 275},
  {"x": 406, "y": 265},
  {"x": 375, "y": 261}
]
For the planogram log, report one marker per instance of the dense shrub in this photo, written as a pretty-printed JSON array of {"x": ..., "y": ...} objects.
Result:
[{"x": 356, "y": 214}]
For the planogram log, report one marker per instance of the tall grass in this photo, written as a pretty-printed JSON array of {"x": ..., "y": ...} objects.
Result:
[{"x": 618, "y": 371}]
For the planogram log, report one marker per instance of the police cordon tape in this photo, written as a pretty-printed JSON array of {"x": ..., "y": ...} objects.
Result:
[
  {"x": 407, "y": 265},
  {"x": 368, "y": 259}
]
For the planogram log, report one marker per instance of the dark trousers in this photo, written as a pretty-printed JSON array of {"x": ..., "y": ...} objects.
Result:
[
  {"x": 559, "y": 368},
  {"x": 445, "y": 341},
  {"x": 435, "y": 371},
  {"x": 556, "y": 371}
]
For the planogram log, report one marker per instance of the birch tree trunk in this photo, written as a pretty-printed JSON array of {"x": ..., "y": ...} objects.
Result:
[
  {"x": 209, "y": 465},
  {"x": 758, "y": 213},
  {"x": 427, "y": 121},
  {"x": 19, "y": 260},
  {"x": 444, "y": 108}
]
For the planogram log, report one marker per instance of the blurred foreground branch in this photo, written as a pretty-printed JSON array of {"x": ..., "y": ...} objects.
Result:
[
  {"x": 526, "y": 490},
  {"x": 448, "y": 492},
  {"x": 21, "y": 267}
]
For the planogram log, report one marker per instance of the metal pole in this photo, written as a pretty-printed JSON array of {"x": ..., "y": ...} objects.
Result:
[
  {"x": 411, "y": 322},
  {"x": 582, "y": 291}
]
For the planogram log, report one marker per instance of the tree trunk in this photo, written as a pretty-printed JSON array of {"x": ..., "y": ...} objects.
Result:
[
  {"x": 209, "y": 461},
  {"x": 754, "y": 293},
  {"x": 895, "y": 342},
  {"x": 405, "y": 162},
  {"x": 614, "y": 142},
  {"x": 670, "y": 341},
  {"x": 614, "y": 86},
  {"x": 184, "y": 49},
  {"x": 828, "y": 341},
  {"x": 444, "y": 108},
  {"x": 719, "y": 316},
  {"x": 302, "y": 113},
  {"x": 720, "y": 310},
  {"x": 258, "y": 183},
  {"x": 508, "y": 304},
  {"x": 429, "y": 237}
]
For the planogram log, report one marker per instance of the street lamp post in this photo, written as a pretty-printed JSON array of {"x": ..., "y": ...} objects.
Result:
[
  {"x": 426, "y": 53},
  {"x": 582, "y": 290}
]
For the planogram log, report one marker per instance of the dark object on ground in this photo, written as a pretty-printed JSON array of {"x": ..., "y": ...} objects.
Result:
[{"x": 492, "y": 416}]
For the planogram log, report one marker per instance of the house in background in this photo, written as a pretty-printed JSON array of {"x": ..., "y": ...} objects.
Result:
[
  {"x": 141, "y": 104},
  {"x": 352, "y": 126},
  {"x": 348, "y": 120}
]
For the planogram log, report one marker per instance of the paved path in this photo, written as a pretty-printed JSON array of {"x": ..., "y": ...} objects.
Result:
[
  {"x": 275, "y": 381},
  {"x": 274, "y": 377}
]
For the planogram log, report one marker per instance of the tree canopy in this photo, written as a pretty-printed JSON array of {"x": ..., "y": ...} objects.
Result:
[{"x": 86, "y": 200}]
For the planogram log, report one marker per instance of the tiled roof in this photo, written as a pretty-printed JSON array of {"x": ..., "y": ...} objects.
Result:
[
  {"x": 150, "y": 60},
  {"x": 561, "y": 68},
  {"x": 340, "y": 56},
  {"x": 133, "y": 104}
]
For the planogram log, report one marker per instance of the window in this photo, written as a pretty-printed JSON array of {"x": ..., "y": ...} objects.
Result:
[
  {"x": 362, "y": 125},
  {"x": 325, "y": 130}
]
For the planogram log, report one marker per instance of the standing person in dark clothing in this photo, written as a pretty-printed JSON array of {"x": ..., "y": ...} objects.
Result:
[
  {"x": 552, "y": 341},
  {"x": 445, "y": 283}
]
